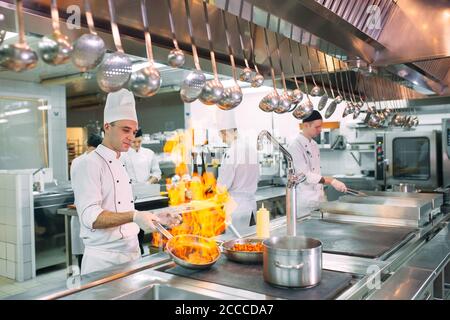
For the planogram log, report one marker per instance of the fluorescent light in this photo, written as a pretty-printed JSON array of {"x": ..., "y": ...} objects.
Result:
[
  {"x": 3, "y": 120},
  {"x": 16, "y": 112}
]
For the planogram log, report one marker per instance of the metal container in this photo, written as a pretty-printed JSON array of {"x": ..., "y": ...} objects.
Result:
[
  {"x": 248, "y": 257},
  {"x": 292, "y": 261},
  {"x": 405, "y": 187}
]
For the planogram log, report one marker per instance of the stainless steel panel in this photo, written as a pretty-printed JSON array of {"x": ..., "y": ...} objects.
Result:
[
  {"x": 436, "y": 199},
  {"x": 394, "y": 208},
  {"x": 446, "y": 152}
]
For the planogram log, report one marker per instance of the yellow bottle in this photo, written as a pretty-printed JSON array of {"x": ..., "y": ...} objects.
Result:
[{"x": 262, "y": 222}]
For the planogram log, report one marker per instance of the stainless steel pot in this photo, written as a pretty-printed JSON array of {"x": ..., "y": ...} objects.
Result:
[
  {"x": 405, "y": 187},
  {"x": 292, "y": 261}
]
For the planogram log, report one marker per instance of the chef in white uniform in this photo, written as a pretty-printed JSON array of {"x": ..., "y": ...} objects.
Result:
[
  {"x": 306, "y": 155},
  {"x": 93, "y": 142},
  {"x": 141, "y": 163},
  {"x": 238, "y": 172},
  {"x": 103, "y": 196}
]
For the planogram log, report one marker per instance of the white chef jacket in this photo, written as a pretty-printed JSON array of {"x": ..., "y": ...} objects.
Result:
[
  {"x": 77, "y": 243},
  {"x": 100, "y": 182},
  {"x": 306, "y": 156},
  {"x": 141, "y": 165},
  {"x": 239, "y": 173}
]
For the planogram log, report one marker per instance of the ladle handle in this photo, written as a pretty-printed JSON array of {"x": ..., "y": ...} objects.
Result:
[
  {"x": 230, "y": 50},
  {"x": 191, "y": 35},
  {"x": 252, "y": 45},
  {"x": 266, "y": 41},
  {"x": 241, "y": 40},
  {"x": 114, "y": 27},
  {"x": 19, "y": 22},
  {"x": 148, "y": 38},
  {"x": 283, "y": 79},
  {"x": 89, "y": 18},
  {"x": 172, "y": 26},
  {"x": 292, "y": 57},
  {"x": 55, "y": 16},
  {"x": 211, "y": 48}
]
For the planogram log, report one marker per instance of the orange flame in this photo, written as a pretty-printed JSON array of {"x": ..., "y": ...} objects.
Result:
[{"x": 207, "y": 217}]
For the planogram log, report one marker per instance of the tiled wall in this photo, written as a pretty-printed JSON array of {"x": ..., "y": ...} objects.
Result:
[
  {"x": 56, "y": 97},
  {"x": 16, "y": 227}
]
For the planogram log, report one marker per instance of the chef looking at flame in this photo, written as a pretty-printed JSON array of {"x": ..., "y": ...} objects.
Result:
[
  {"x": 238, "y": 172},
  {"x": 103, "y": 194}
]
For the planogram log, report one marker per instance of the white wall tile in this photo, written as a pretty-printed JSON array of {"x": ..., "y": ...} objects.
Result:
[
  {"x": 11, "y": 216},
  {"x": 11, "y": 252},
  {"x": 27, "y": 253},
  {"x": 11, "y": 234},
  {"x": 10, "y": 270},
  {"x": 26, "y": 235},
  {"x": 27, "y": 271},
  {"x": 26, "y": 215},
  {"x": 11, "y": 198},
  {"x": 2, "y": 250},
  {"x": 2, "y": 215},
  {"x": 3, "y": 267}
]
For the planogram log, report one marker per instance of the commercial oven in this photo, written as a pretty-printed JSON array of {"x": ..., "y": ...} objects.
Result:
[{"x": 409, "y": 157}]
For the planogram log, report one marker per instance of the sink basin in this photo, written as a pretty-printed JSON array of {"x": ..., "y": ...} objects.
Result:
[{"x": 163, "y": 292}]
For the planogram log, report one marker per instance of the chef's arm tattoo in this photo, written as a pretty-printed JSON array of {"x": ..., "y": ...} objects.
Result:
[{"x": 109, "y": 219}]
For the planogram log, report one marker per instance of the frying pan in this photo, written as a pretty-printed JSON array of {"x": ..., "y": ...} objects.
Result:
[
  {"x": 195, "y": 243},
  {"x": 247, "y": 257}
]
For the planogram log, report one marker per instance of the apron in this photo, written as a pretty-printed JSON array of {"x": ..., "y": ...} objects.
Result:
[
  {"x": 77, "y": 243},
  {"x": 95, "y": 259},
  {"x": 309, "y": 196}
]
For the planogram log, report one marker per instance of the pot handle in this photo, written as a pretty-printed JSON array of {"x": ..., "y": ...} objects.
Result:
[{"x": 282, "y": 266}]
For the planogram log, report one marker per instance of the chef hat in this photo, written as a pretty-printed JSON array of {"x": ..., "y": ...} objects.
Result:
[
  {"x": 315, "y": 115},
  {"x": 120, "y": 105},
  {"x": 225, "y": 120}
]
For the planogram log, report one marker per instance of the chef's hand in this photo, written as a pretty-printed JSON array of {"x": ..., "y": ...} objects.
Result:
[
  {"x": 170, "y": 217},
  {"x": 153, "y": 180},
  {"x": 338, "y": 185},
  {"x": 145, "y": 220}
]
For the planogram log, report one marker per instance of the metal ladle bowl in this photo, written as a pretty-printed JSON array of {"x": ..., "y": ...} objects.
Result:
[
  {"x": 145, "y": 82},
  {"x": 232, "y": 97},
  {"x": 284, "y": 105},
  {"x": 315, "y": 91},
  {"x": 270, "y": 102},
  {"x": 55, "y": 49},
  {"x": 88, "y": 52},
  {"x": 17, "y": 57},
  {"x": 114, "y": 72},
  {"x": 192, "y": 86},
  {"x": 212, "y": 92},
  {"x": 176, "y": 58},
  {"x": 297, "y": 96},
  {"x": 303, "y": 110},
  {"x": 246, "y": 75},
  {"x": 349, "y": 109},
  {"x": 356, "y": 112},
  {"x": 257, "y": 80}
]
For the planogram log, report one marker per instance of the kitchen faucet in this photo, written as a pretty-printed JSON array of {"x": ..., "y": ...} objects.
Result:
[{"x": 293, "y": 179}]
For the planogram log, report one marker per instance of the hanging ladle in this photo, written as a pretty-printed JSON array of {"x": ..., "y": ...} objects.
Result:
[
  {"x": 258, "y": 79},
  {"x": 247, "y": 73},
  {"x": 271, "y": 101},
  {"x": 305, "y": 109},
  {"x": 193, "y": 83},
  {"x": 146, "y": 81},
  {"x": 56, "y": 48},
  {"x": 213, "y": 90},
  {"x": 286, "y": 100},
  {"x": 89, "y": 49},
  {"x": 115, "y": 70},
  {"x": 324, "y": 98},
  {"x": 18, "y": 56},
  {"x": 176, "y": 56},
  {"x": 232, "y": 96},
  {"x": 297, "y": 94},
  {"x": 338, "y": 99},
  {"x": 315, "y": 91}
]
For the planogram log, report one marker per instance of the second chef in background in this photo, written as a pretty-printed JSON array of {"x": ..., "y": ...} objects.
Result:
[
  {"x": 141, "y": 163},
  {"x": 239, "y": 172}
]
